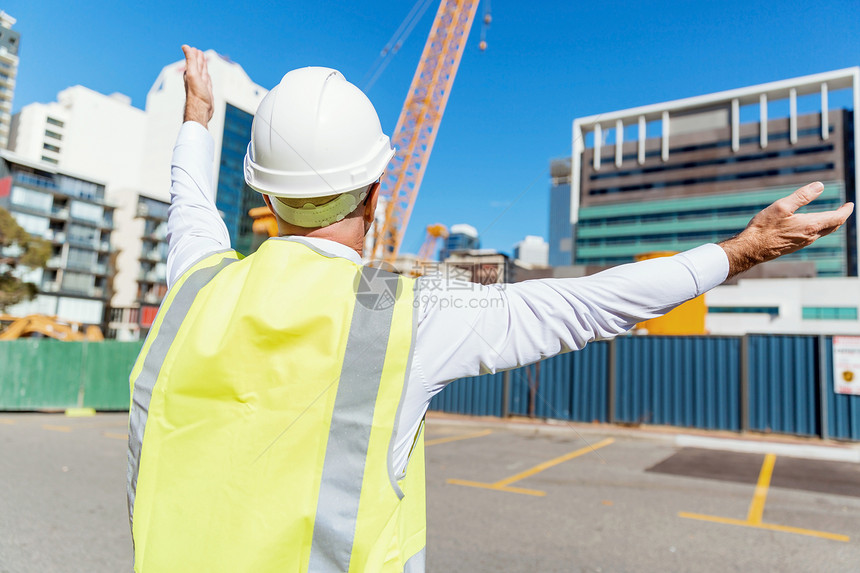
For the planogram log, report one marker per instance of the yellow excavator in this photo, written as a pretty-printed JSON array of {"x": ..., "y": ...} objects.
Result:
[{"x": 39, "y": 325}]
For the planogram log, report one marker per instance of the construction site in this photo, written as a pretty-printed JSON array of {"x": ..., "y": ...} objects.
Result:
[{"x": 717, "y": 433}]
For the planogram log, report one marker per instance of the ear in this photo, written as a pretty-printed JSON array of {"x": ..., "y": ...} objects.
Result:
[
  {"x": 370, "y": 203},
  {"x": 268, "y": 201}
]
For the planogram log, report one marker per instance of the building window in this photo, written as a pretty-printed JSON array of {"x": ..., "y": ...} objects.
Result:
[
  {"x": 49, "y": 160},
  {"x": 53, "y": 134},
  {"x": 30, "y": 199},
  {"x": 830, "y": 313},
  {"x": 56, "y": 122},
  {"x": 771, "y": 310},
  {"x": 50, "y": 147}
]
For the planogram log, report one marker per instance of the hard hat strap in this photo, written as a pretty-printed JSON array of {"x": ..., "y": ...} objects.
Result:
[{"x": 310, "y": 215}]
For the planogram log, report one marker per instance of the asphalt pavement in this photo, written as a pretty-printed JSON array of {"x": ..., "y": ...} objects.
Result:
[{"x": 501, "y": 497}]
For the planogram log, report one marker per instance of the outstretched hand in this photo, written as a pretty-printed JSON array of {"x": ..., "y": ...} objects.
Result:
[
  {"x": 777, "y": 230},
  {"x": 199, "y": 101}
]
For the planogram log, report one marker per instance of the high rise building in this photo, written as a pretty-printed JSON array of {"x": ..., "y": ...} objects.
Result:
[
  {"x": 10, "y": 43},
  {"x": 462, "y": 238},
  {"x": 70, "y": 211},
  {"x": 79, "y": 133},
  {"x": 560, "y": 241},
  {"x": 236, "y": 100},
  {"x": 670, "y": 176},
  {"x": 532, "y": 250}
]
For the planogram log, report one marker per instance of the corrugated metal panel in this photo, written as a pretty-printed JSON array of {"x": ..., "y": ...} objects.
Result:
[
  {"x": 42, "y": 374},
  {"x": 570, "y": 386},
  {"x": 107, "y": 365},
  {"x": 39, "y": 374},
  {"x": 691, "y": 381},
  {"x": 783, "y": 393},
  {"x": 843, "y": 410},
  {"x": 478, "y": 396}
]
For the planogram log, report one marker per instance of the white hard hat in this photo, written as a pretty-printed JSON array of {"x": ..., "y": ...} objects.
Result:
[{"x": 315, "y": 134}]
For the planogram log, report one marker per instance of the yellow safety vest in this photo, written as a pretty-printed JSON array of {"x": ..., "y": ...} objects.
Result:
[{"x": 262, "y": 417}]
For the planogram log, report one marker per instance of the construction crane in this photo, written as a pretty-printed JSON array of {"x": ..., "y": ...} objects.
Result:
[
  {"x": 434, "y": 233},
  {"x": 416, "y": 128},
  {"x": 419, "y": 122}
]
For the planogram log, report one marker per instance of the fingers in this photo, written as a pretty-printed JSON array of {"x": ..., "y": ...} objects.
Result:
[
  {"x": 801, "y": 197},
  {"x": 195, "y": 62},
  {"x": 832, "y": 220}
]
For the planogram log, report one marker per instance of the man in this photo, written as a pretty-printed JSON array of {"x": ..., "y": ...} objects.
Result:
[{"x": 279, "y": 399}]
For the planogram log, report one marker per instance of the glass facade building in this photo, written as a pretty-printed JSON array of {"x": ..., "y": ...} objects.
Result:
[
  {"x": 234, "y": 198},
  {"x": 706, "y": 184},
  {"x": 560, "y": 229}
]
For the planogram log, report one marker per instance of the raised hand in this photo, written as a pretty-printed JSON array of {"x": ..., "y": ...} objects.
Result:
[
  {"x": 199, "y": 101},
  {"x": 777, "y": 230}
]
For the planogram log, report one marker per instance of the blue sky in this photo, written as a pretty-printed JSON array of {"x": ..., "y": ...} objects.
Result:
[{"x": 511, "y": 108}]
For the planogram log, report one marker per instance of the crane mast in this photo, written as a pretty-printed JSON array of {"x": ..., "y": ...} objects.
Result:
[{"x": 419, "y": 121}]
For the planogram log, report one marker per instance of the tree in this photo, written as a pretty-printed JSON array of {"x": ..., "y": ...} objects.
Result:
[{"x": 18, "y": 249}]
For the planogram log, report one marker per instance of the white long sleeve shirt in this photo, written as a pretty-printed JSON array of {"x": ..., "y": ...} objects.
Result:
[{"x": 464, "y": 329}]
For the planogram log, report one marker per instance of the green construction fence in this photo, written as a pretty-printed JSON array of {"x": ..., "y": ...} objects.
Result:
[{"x": 45, "y": 374}]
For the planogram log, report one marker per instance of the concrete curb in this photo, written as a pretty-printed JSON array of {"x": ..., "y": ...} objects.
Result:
[
  {"x": 807, "y": 451},
  {"x": 782, "y": 445}
]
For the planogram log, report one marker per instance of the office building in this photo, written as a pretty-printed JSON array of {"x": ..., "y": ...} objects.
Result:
[
  {"x": 674, "y": 175},
  {"x": 785, "y": 306},
  {"x": 560, "y": 240},
  {"x": 78, "y": 133},
  {"x": 10, "y": 44},
  {"x": 461, "y": 238},
  {"x": 70, "y": 211},
  {"x": 532, "y": 251},
  {"x": 236, "y": 101}
]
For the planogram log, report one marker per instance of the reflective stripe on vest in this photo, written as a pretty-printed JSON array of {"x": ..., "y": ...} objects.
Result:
[
  {"x": 234, "y": 471},
  {"x": 164, "y": 331}
]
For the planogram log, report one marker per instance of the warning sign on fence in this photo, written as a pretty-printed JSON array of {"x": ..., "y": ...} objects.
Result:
[{"x": 846, "y": 364}]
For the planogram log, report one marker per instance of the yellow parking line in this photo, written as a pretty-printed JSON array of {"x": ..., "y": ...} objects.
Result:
[
  {"x": 505, "y": 484},
  {"x": 760, "y": 496},
  {"x": 7, "y": 422},
  {"x": 497, "y": 487},
  {"x": 770, "y": 526},
  {"x": 56, "y": 428},
  {"x": 438, "y": 441},
  {"x": 756, "y": 511}
]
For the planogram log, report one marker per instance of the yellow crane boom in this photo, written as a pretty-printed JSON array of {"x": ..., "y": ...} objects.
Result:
[
  {"x": 416, "y": 127},
  {"x": 419, "y": 121}
]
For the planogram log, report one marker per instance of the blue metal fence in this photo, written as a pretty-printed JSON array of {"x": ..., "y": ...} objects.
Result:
[
  {"x": 679, "y": 381},
  {"x": 478, "y": 396},
  {"x": 768, "y": 383},
  {"x": 783, "y": 384}
]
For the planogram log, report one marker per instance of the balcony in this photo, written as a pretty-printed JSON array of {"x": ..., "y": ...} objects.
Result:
[
  {"x": 81, "y": 266},
  {"x": 153, "y": 255},
  {"x": 148, "y": 211},
  {"x": 88, "y": 192},
  {"x": 55, "y": 262},
  {"x": 84, "y": 242},
  {"x": 151, "y": 277},
  {"x": 60, "y": 213},
  {"x": 151, "y": 298},
  {"x": 51, "y": 286},
  {"x": 55, "y": 236}
]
